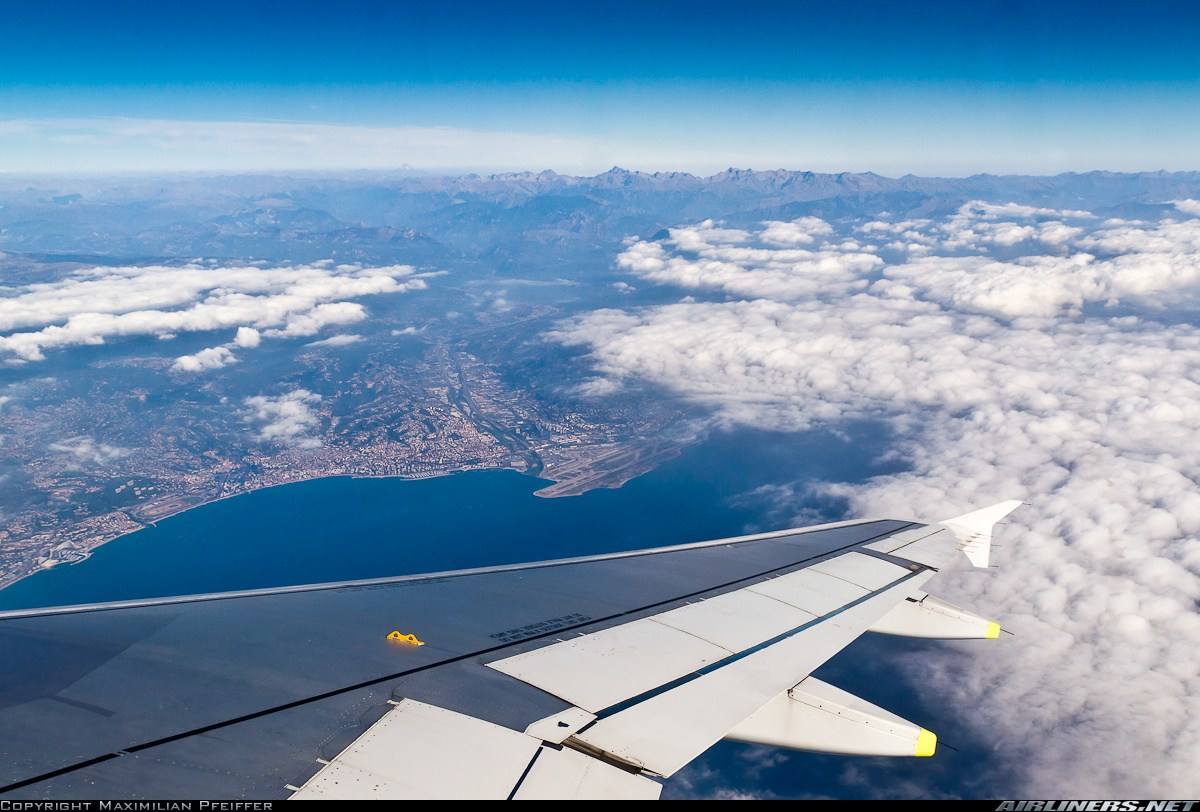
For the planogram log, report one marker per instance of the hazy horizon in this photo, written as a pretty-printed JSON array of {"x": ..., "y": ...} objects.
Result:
[
  {"x": 402, "y": 172},
  {"x": 944, "y": 90}
]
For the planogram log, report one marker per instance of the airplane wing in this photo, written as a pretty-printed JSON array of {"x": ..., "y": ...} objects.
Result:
[{"x": 591, "y": 677}]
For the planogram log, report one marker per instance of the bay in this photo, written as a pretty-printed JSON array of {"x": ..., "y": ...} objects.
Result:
[{"x": 341, "y": 528}]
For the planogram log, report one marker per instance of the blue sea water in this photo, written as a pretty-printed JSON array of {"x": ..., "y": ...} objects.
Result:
[{"x": 341, "y": 528}]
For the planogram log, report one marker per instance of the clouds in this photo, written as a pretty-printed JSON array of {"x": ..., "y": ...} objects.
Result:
[
  {"x": 87, "y": 450},
  {"x": 979, "y": 222},
  {"x": 288, "y": 419},
  {"x": 340, "y": 340},
  {"x": 980, "y": 226},
  {"x": 1040, "y": 286},
  {"x": 1058, "y": 267},
  {"x": 708, "y": 257},
  {"x": 1150, "y": 265},
  {"x": 211, "y": 358},
  {"x": 802, "y": 231},
  {"x": 597, "y": 387},
  {"x": 247, "y": 337},
  {"x": 97, "y": 304},
  {"x": 1092, "y": 420}
]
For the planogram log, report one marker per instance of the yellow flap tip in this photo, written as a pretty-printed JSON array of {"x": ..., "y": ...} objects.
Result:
[
  {"x": 406, "y": 639},
  {"x": 926, "y": 743},
  {"x": 993, "y": 631}
]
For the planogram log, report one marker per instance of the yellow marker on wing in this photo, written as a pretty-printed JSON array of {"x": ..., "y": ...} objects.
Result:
[
  {"x": 993, "y": 631},
  {"x": 926, "y": 743},
  {"x": 406, "y": 639}
]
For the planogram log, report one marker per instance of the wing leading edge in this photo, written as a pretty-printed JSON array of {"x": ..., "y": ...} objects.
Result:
[{"x": 591, "y": 677}]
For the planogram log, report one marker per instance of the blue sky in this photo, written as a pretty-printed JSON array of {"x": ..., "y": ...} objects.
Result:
[{"x": 932, "y": 88}]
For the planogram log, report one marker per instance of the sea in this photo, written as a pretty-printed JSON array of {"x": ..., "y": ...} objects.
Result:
[{"x": 341, "y": 528}]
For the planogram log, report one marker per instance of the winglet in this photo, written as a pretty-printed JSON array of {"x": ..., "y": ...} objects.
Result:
[{"x": 974, "y": 530}]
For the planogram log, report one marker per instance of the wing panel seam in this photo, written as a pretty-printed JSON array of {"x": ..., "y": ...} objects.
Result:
[{"x": 741, "y": 655}]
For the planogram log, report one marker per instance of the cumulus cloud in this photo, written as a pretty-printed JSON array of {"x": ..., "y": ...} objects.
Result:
[
  {"x": 802, "y": 231},
  {"x": 985, "y": 210},
  {"x": 1114, "y": 262},
  {"x": 318, "y": 318},
  {"x": 1092, "y": 420},
  {"x": 286, "y": 419},
  {"x": 93, "y": 305},
  {"x": 1167, "y": 238},
  {"x": 706, "y": 256},
  {"x": 704, "y": 235},
  {"x": 978, "y": 225},
  {"x": 1030, "y": 286},
  {"x": 340, "y": 340},
  {"x": 598, "y": 387},
  {"x": 247, "y": 337},
  {"x": 1110, "y": 263},
  {"x": 1191, "y": 207},
  {"x": 87, "y": 450},
  {"x": 211, "y": 358}
]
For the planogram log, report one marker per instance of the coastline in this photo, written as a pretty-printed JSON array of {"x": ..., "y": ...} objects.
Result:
[
  {"x": 577, "y": 471},
  {"x": 79, "y": 556}
]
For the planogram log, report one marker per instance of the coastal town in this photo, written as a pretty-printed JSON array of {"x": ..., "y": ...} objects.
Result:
[{"x": 446, "y": 412}]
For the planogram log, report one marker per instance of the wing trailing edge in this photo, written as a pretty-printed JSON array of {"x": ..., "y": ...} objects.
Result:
[{"x": 819, "y": 717}]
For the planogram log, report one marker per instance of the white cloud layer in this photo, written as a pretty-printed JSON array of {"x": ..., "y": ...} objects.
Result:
[
  {"x": 705, "y": 256},
  {"x": 1109, "y": 263},
  {"x": 1093, "y": 421},
  {"x": 1114, "y": 262},
  {"x": 1060, "y": 267},
  {"x": 286, "y": 419},
  {"x": 91, "y": 306}
]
